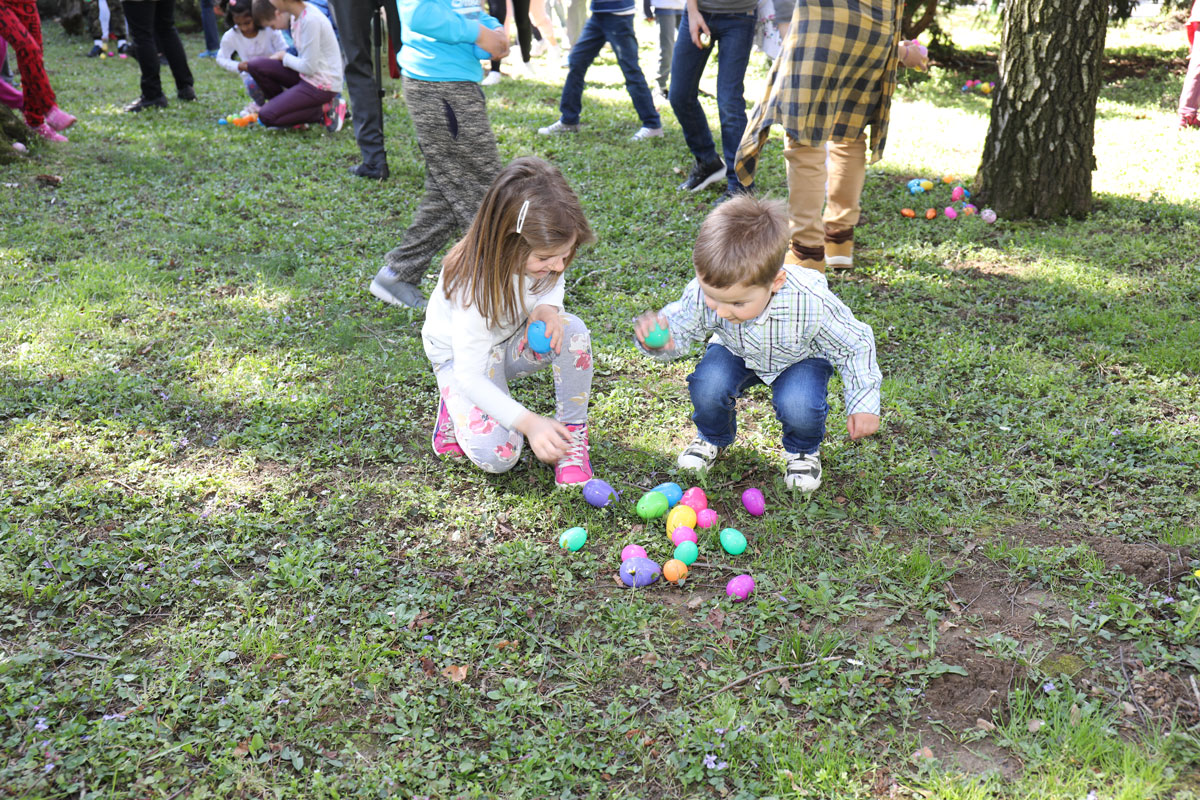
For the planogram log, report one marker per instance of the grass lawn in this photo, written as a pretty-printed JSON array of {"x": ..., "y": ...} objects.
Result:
[{"x": 231, "y": 566}]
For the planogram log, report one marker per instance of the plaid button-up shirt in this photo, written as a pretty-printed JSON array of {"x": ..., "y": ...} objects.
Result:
[
  {"x": 833, "y": 80},
  {"x": 803, "y": 320}
]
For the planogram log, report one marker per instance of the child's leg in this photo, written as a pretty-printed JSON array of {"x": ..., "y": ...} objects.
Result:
[
  {"x": 799, "y": 396},
  {"x": 619, "y": 30},
  {"x": 583, "y": 53},
  {"x": 456, "y": 139},
  {"x": 301, "y": 104},
  {"x": 272, "y": 77},
  {"x": 541, "y": 20},
  {"x": 489, "y": 446},
  {"x": 668, "y": 24},
  {"x": 1189, "y": 98},
  {"x": 167, "y": 36},
  {"x": 719, "y": 380},
  {"x": 20, "y": 26},
  {"x": 252, "y": 89},
  {"x": 524, "y": 28},
  {"x": 847, "y": 173},
  {"x": 572, "y": 369},
  {"x": 105, "y": 17},
  {"x": 499, "y": 10},
  {"x": 806, "y": 198}
]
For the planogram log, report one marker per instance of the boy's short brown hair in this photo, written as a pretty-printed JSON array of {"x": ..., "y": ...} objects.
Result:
[
  {"x": 264, "y": 13},
  {"x": 741, "y": 241}
]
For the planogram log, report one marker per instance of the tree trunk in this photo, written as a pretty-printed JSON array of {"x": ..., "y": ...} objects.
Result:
[{"x": 1037, "y": 158}]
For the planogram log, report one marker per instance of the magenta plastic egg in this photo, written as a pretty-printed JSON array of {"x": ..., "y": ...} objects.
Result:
[
  {"x": 695, "y": 499},
  {"x": 632, "y": 551},
  {"x": 956, "y": 193},
  {"x": 706, "y": 518},
  {"x": 683, "y": 534},
  {"x": 950, "y": 212},
  {"x": 753, "y": 500},
  {"x": 638, "y": 572},
  {"x": 740, "y": 588}
]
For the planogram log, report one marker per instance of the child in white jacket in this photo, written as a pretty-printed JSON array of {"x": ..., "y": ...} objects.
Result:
[{"x": 247, "y": 40}]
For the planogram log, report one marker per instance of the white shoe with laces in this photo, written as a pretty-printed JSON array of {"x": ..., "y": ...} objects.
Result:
[
  {"x": 645, "y": 133},
  {"x": 491, "y": 79},
  {"x": 803, "y": 471},
  {"x": 558, "y": 127},
  {"x": 523, "y": 69},
  {"x": 698, "y": 455}
]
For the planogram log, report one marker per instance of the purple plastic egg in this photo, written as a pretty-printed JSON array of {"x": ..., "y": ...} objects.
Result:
[
  {"x": 753, "y": 500},
  {"x": 740, "y": 588},
  {"x": 598, "y": 493},
  {"x": 632, "y": 551},
  {"x": 683, "y": 534},
  {"x": 706, "y": 518},
  {"x": 639, "y": 571},
  {"x": 695, "y": 499}
]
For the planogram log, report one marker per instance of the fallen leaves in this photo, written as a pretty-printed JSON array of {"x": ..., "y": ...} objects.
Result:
[
  {"x": 455, "y": 674},
  {"x": 50, "y": 180}
]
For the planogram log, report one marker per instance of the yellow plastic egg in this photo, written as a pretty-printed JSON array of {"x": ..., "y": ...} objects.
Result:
[
  {"x": 681, "y": 516},
  {"x": 927, "y": 185}
]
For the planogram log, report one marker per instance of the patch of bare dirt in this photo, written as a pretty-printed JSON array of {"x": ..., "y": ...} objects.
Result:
[{"x": 1149, "y": 563}]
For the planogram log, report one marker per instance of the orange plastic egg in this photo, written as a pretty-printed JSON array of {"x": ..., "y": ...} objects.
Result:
[
  {"x": 907, "y": 212},
  {"x": 674, "y": 571},
  {"x": 930, "y": 213}
]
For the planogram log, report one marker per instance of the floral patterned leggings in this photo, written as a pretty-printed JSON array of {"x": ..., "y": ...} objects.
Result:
[
  {"x": 22, "y": 27},
  {"x": 492, "y": 447}
]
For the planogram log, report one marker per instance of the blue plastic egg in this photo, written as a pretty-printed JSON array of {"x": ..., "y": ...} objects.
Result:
[
  {"x": 539, "y": 342},
  {"x": 671, "y": 491},
  {"x": 598, "y": 493},
  {"x": 637, "y": 572}
]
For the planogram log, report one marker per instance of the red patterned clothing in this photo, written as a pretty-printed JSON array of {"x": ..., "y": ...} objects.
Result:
[{"x": 21, "y": 26}]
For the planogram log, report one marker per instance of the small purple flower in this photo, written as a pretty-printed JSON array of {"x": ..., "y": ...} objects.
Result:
[
  {"x": 117, "y": 717},
  {"x": 427, "y": 638},
  {"x": 310, "y": 618},
  {"x": 1166, "y": 601},
  {"x": 46, "y": 563},
  {"x": 1048, "y": 687},
  {"x": 1116, "y": 431},
  {"x": 41, "y": 725},
  {"x": 48, "y": 768},
  {"x": 719, "y": 731},
  {"x": 284, "y": 701},
  {"x": 356, "y": 572},
  {"x": 722, "y": 765},
  {"x": 740, "y": 728},
  {"x": 710, "y": 761}
]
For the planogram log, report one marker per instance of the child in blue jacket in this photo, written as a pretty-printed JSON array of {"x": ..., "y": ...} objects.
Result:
[{"x": 443, "y": 42}]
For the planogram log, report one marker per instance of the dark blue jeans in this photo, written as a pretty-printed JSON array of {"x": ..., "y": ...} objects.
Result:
[
  {"x": 208, "y": 22},
  {"x": 734, "y": 34},
  {"x": 617, "y": 30},
  {"x": 798, "y": 395}
]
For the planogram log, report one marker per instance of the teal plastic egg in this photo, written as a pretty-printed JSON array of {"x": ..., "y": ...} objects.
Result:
[
  {"x": 687, "y": 552},
  {"x": 573, "y": 538},
  {"x": 733, "y": 542},
  {"x": 657, "y": 337}
]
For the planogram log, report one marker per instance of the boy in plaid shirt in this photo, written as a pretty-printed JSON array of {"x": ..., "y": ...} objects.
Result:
[{"x": 765, "y": 322}]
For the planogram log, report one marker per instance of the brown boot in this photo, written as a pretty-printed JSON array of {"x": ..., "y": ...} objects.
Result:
[
  {"x": 839, "y": 248},
  {"x": 807, "y": 257}
]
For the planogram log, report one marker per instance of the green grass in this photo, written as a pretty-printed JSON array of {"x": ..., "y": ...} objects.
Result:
[{"x": 231, "y": 566}]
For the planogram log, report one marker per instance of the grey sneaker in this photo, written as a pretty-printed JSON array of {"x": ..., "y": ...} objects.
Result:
[
  {"x": 645, "y": 133},
  {"x": 558, "y": 127},
  {"x": 803, "y": 472},
  {"x": 699, "y": 455},
  {"x": 390, "y": 289}
]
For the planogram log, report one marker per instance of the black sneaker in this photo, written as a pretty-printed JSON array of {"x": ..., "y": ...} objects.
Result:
[
  {"x": 187, "y": 93},
  {"x": 375, "y": 174},
  {"x": 730, "y": 193},
  {"x": 141, "y": 104},
  {"x": 95, "y": 51},
  {"x": 704, "y": 175}
]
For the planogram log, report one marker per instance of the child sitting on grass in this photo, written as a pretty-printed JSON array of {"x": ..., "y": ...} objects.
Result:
[
  {"x": 776, "y": 324},
  {"x": 248, "y": 40},
  {"x": 303, "y": 88}
]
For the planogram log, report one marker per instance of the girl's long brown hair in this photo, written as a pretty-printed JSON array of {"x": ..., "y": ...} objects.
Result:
[{"x": 479, "y": 269}]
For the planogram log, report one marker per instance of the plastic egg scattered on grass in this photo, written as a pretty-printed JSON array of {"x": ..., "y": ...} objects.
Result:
[
  {"x": 683, "y": 534},
  {"x": 695, "y": 498},
  {"x": 927, "y": 185},
  {"x": 950, "y": 212},
  {"x": 657, "y": 337},
  {"x": 948, "y": 179},
  {"x": 988, "y": 216},
  {"x": 733, "y": 541},
  {"x": 539, "y": 342},
  {"x": 956, "y": 193},
  {"x": 674, "y": 571},
  {"x": 681, "y": 516},
  {"x": 598, "y": 493},
  {"x": 638, "y": 572},
  {"x": 632, "y": 551},
  {"x": 740, "y": 588},
  {"x": 706, "y": 518},
  {"x": 752, "y": 500},
  {"x": 968, "y": 209},
  {"x": 573, "y": 538},
  {"x": 907, "y": 212},
  {"x": 19, "y": 147},
  {"x": 930, "y": 213},
  {"x": 671, "y": 491},
  {"x": 652, "y": 505},
  {"x": 687, "y": 552}
]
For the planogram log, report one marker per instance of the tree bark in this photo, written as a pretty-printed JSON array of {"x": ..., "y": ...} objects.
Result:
[{"x": 1038, "y": 156}]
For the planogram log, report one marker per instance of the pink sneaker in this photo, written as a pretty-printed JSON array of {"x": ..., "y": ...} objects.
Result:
[
  {"x": 58, "y": 119},
  {"x": 1189, "y": 121},
  {"x": 574, "y": 469},
  {"x": 49, "y": 134},
  {"x": 444, "y": 443}
]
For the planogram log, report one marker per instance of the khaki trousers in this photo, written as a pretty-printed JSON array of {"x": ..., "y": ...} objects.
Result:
[{"x": 812, "y": 188}]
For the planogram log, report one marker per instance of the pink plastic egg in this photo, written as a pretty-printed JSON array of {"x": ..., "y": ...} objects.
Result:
[
  {"x": 988, "y": 216},
  {"x": 695, "y": 499},
  {"x": 683, "y": 534},
  {"x": 950, "y": 212},
  {"x": 632, "y": 551},
  {"x": 740, "y": 588},
  {"x": 956, "y": 194},
  {"x": 706, "y": 518},
  {"x": 753, "y": 500}
]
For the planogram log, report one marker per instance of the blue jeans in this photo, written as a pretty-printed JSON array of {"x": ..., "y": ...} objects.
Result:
[
  {"x": 208, "y": 21},
  {"x": 798, "y": 395},
  {"x": 734, "y": 33},
  {"x": 617, "y": 30}
]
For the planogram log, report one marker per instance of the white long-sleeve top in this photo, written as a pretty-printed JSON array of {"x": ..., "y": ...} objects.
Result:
[
  {"x": 320, "y": 58},
  {"x": 268, "y": 42},
  {"x": 454, "y": 333}
]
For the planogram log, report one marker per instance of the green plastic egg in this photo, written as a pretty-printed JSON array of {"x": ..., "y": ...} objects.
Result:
[
  {"x": 687, "y": 552},
  {"x": 733, "y": 541},
  {"x": 573, "y": 538},
  {"x": 652, "y": 505},
  {"x": 657, "y": 337}
]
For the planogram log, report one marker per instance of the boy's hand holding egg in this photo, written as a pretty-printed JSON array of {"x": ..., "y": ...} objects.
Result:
[{"x": 653, "y": 332}]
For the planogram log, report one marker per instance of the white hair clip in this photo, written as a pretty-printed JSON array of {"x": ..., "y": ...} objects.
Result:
[{"x": 521, "y": 216}]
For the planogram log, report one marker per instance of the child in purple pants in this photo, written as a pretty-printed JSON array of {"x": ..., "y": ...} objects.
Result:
[
  {"x": 303, "y": 88},
  {"x": 1189, "y": 98}
]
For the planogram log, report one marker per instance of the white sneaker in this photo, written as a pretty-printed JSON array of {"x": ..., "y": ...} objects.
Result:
[
  {"x": 491, "y": 79},
  {"x": 558, "y": 127},
  {"x": 645, "y": 133},
  {"x": 539, "y": 48},
  {"x": 699, "y": 455},
  {"x": 523, "y": 69},
  {"x": 803, "y": 471}
]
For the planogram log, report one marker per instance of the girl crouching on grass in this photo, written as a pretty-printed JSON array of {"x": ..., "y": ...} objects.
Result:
[
  {"x": 303, "y": 88},
  {"x": 503, "y": 276}
]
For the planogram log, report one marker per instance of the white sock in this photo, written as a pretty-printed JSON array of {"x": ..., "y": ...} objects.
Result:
[{"x": 97, "y": 42}]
